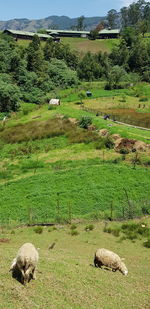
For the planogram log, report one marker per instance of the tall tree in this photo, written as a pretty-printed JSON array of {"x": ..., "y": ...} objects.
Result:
[
  {"x": 80, "y": 23},
  {"x": 35, "y": 58},
  {"x": 112, "y": 17}
]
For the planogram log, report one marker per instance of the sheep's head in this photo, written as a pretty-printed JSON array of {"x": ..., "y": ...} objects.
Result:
[{"x": 123, "y": 269}]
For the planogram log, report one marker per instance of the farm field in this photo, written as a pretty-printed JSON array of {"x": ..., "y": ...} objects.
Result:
[
  {"x": 83, "y": 45},
  {"x": 44, "y": 157},
  {"x": 66, "y": 277}
]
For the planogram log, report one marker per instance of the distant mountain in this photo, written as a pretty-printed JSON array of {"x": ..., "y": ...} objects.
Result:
[{"x": 55, "y": 22}]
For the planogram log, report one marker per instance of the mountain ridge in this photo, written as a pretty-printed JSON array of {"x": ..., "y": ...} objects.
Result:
[{"x": 57, "y": 22}]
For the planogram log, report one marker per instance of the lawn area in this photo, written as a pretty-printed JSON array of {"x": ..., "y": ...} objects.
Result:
[
  {"x": 65, "y": 276},
  {"x": 84, "y": 45},
  {"x": 89, "y": 185}
]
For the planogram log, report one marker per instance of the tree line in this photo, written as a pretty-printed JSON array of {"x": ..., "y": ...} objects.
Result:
[{"x": 31, "y": 74}]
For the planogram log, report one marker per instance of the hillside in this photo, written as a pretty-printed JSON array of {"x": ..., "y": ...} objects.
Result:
[
  {"x": 66, "y": 277},
  {"x": 58, "y": 22},
  {"x": 43, "y": 155},
  {"x": 82, "y": 45}
]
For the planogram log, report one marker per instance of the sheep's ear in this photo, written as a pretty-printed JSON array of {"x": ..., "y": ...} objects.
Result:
[{"x": 122, "y": 259}]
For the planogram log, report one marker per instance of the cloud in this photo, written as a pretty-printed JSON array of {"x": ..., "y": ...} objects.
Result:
[{"x": 127, "y": 2}]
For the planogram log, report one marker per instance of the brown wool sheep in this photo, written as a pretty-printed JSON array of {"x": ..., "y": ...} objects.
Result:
[
  {"x": 104, "y": 257},
  {"x": 26, "y": 262}
]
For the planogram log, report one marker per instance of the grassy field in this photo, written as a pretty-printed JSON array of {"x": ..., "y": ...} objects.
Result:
[
  {"x": 89, "y": 186},
  {"x": 83, "y": 45},
  {"x": 65, "y": 276},
  {"x": 43, "y": 156}
]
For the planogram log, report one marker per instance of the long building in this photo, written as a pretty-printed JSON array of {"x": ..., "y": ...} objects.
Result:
[
  {"x": 25, "y": 35},
  {"x": 103, "y": 34}
]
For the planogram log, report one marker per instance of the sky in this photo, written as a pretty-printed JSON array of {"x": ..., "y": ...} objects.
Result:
[{"x": 37, "y": 9}]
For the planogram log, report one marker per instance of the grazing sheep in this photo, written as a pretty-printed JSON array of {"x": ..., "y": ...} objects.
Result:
[
  {"x": 104, "y": 257},
  {"x": 25, "y": 262}
]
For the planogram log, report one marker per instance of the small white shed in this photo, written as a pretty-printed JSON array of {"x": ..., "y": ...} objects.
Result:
[{"x": 54, "y": 102}]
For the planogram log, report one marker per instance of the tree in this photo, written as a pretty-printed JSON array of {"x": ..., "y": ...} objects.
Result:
[
  {"x": 135, "y": 13},
  {"x": 143, "y": 26},
  {"x": 42, "y": 30},
  {"x": 9, "y": 97},
  {"x": 130, "y": 36},
  {"x": 35, "y": 57},
  {"x": 112, "y": 17},
  {"x": 93, "y": 34},
  {"x": 89, "y": 68},
  {"x": 60, "y": 75},
  {"x": 81, "y": 96},
  {"x": 114, "y": 77},
  {"x": 124, "y": 17},
  {"x": 80, "y": 23},
  {"x": 120, "y": 55}
]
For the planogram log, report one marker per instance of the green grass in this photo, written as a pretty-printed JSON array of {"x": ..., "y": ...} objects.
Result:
[
  {"x": 84, "y": 45},
  {"x": 65, "y": 277},
  {"x": 89, "y": 185},
  {"x": 45, "y": 155}
]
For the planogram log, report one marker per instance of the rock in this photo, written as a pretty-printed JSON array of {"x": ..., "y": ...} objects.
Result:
[
  {"x": 103, "y": 132},
  {"x": 115, "y": 136},
  {"x": 91, "y": 128},
  {"x": 129, "y": 144},
  {"x": 140, "y": 146},
  {"x": 73, "y": 120}
]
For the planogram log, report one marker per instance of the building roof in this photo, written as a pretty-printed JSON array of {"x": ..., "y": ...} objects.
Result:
[
  {"x": 109, "y": 31},
  {"x": 67, "y": 31},
  {"x": 40, "y": 35},
  {"x": 104, "y": 31}
]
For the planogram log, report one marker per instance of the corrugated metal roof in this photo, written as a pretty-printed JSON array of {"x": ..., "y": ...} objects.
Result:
[
  {"x": 68, "y": 31},
  {"x": 40, "y": 35},
  {"x": 104, "y": 31},
  {"x": 109, "y": 31}
]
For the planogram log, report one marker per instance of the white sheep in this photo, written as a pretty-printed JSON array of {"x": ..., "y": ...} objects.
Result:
[
  {"x": 26, "y": 262},
  {"x": 104, "y": 257}
]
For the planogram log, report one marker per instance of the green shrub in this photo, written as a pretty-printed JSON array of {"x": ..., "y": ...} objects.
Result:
[
  {"x": 116, "y": 231},
  {"x": 12, "y": 232},
  {"x": 133, "y": 230},
  {"x": 107, "y": 230},
  {"x": 89, "y": 227},
  {"x": 132, "y": 235},
  {"x": 146, "y": 243},
  {"x": 143, "y": 99},
  {"x": 74, "y": 232},
  {"x": 108, "y": 142},
  {"x": 73, "y": 227},
  {"x": 38, "y": 229},
  {"x": 112, "y": 230},
  {"x": 84, "y": 122}
]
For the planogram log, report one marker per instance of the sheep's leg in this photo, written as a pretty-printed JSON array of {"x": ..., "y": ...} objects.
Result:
[
  {"x": 100, "y": 264},
  {"x": 95, "y": 262},
  {"x": 29, "y": 274},
  {"x": 33, "y": 274}
]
